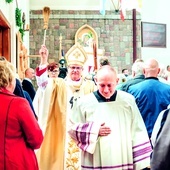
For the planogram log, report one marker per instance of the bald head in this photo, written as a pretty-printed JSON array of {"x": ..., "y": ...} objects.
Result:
[
  {"x": 107, "y": 71},
  {"x": 29, "y": 73},
  {"x": 106, "y": 80},
  {"x": 151, "y": 68}
]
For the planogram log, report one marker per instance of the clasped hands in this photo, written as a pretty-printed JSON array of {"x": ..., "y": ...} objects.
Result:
[{"x": 104, "y": 130}]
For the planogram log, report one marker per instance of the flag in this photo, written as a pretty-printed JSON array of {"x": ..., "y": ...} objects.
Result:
[
  {"x": 102, "y": 6},
  {"x": 122, "y": 11},
  {"x": 127, "y": 5}
]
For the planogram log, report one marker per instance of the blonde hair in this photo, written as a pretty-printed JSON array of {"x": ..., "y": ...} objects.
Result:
[{"x": 7, "y": 73}]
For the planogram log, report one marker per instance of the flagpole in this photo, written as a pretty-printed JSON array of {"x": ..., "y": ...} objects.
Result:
[
  {"x": 134, "y": 35},
  {"x": 60, "y": 47}
]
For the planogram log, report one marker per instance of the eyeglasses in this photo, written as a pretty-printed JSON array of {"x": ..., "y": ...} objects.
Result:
[
  {"x": 73, "y": 68},
  {"x": 53, "y": 71}
]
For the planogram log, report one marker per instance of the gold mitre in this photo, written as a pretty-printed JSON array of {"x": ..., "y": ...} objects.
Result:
[{"x": 76, "y": 55}]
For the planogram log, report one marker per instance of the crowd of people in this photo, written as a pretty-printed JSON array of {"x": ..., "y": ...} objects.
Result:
[{"x": 110, "y": 121}]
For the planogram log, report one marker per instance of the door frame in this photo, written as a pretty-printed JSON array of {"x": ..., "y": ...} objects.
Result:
[{"x": 5, "y": 37}]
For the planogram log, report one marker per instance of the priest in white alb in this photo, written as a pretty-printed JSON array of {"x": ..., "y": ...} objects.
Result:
[{"x": 108, "y": 127}]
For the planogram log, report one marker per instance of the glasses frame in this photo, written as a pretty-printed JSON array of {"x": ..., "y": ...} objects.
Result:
[
  {"x": 53, "y": 71},
  {"x": 76, "y": 68}
]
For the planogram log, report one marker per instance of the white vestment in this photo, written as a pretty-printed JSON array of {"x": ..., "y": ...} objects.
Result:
[
  {"x": 128, "y": 145},
  {"x": 41, "y": 103},
  {"x": 74, "y": 89}
]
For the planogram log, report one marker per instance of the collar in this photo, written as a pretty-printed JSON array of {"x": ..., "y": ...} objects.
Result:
[
  {"x": 27, "y": 79},
  {"x": 74, "y": 85},
  {"x": 100, "y": 98},
  {"x": 155, "y": 78},
  {"x": 141, "y": 76},
  {"x": 5, "y": 91}
]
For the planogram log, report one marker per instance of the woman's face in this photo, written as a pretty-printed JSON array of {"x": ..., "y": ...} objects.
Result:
[{"x": 53, "y": 73}]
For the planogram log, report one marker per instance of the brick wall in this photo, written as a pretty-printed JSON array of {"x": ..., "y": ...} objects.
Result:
[{"x": 114, "y": 35}]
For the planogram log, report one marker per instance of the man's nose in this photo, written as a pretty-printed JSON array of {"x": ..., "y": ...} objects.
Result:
[{"x": 106, "y": 89}]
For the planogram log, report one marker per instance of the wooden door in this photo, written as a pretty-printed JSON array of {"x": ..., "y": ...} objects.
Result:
[{"x": 5, "y": 38}]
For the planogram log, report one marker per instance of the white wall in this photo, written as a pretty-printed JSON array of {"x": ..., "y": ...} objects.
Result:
[
  {"x": 5, "y": 8},
  {"x": 59, "y": 5},
  {"x": 69, "y": 4},
  {"x": 157, "y": 12},
  {"x": 8, "y": 10}
]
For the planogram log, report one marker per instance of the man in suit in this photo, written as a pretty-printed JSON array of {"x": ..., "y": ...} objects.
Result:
[{"x": 27, "y": 82}]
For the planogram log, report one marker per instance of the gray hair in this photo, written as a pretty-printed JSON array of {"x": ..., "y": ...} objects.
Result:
[{"x": 138, "y": 67}]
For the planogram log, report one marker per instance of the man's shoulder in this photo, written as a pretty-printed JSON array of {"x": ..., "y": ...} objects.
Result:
[
  {"x": 126, "y": 84},
  {"x": 124, "y": 94},
  {"x": 90, "y": 84},
  {"x": 89, "y": 81},
  {"x": 125, "y": 98},
  {"x": 87, "y": 99},
  {"x": 132, "y": 82},
  {"x": 165, "y": 85},
  {"x": 25, "y": 81},
  {"x": 138, "y": 86},
  {"x": 57, "y": 80}
]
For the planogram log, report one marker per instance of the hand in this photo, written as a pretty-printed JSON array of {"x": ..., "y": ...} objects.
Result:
[
  {"x": 104, "y": 130},
  {"x": 44, "y": 54}
]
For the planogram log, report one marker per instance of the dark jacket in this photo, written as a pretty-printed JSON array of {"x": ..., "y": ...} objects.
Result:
[
  {"x": 125, "y": 86},
  {"x": 18, "y": 91},
  {"x": 161, "y": 151},
  {"x": 28, "y": 86}
]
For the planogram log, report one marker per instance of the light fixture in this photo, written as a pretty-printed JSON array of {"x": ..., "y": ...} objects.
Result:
[
  {"x": 116, "y": 5},
  {"x": 62, "y": 62}
]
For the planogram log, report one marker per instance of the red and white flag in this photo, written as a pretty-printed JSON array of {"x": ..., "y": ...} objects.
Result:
[{"x": 127, "y": 5}]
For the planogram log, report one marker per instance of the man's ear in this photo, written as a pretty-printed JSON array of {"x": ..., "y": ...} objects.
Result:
[
  {"x": 133, "y": 73},
  {"x": 95, "y": 79},
  {"x": 117, "y": 80},
  {"x": 144, "y": 71},
  {"x": 159, "y": 70}
]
